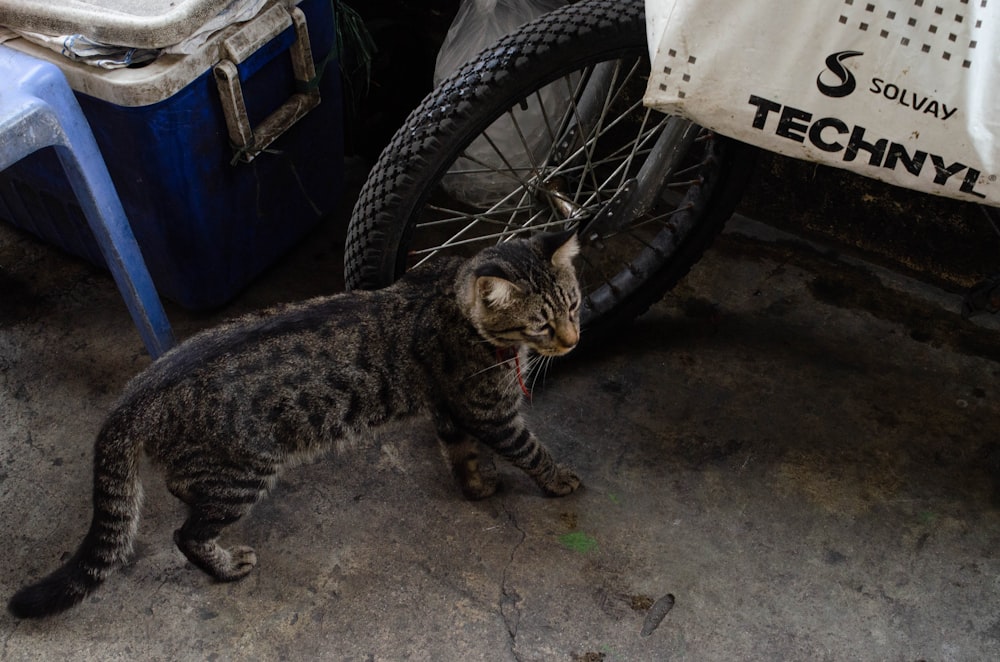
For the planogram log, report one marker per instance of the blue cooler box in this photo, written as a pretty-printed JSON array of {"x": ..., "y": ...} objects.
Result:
[{"x": 182, "y": 139}]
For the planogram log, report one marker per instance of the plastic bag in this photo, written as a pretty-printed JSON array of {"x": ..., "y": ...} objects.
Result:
[
  {"x": 900, "y": 91},
  {"x": 477, "y": 25},
  {"x": 481, "y": 23}
]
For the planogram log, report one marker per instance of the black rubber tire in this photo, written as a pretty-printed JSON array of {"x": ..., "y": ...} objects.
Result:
[{"x": 384, "y": 225}]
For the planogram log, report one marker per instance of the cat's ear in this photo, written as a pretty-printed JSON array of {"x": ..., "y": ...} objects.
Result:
[
  {"x": 495, "y": 291},
  {"x": 561, "y": 248}
]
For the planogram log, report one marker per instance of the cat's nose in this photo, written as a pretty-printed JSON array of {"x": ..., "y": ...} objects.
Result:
[{"x": 568, "y": 336}]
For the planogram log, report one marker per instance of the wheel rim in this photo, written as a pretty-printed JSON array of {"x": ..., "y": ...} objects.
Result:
[{"x": 554, "y": 159}]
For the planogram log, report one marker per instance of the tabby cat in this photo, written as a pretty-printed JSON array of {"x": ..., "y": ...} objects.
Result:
[{"x": 224, "y": 411}]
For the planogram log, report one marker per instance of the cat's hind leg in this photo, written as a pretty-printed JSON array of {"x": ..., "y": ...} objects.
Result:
[
  {"x": 210, "y": 512},
  {"x": 477, "y": 479},
  {"x": 198, "y": 540}
]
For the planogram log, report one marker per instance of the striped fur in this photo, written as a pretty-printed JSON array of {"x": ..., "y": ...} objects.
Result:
[{"x": 223, "y": 412}]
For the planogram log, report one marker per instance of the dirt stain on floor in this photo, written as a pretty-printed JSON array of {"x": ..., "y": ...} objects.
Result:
[{"x": 844, "y": 481}]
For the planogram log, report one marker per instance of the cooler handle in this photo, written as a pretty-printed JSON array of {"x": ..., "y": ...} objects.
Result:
[{"x": 249, "y": 141}]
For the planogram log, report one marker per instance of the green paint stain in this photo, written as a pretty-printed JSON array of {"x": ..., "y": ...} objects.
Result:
[{"x": 578, "y": 541}]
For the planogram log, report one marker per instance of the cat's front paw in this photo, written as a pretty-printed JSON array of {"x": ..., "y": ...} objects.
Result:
[{"x": 564, "y": 482}]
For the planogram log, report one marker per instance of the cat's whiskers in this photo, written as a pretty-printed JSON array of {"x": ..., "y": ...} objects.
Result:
[
  {"x": 539, "y": 368},
  {"x": 499, "y": 364},
  {"x": 514, "y": 379}
]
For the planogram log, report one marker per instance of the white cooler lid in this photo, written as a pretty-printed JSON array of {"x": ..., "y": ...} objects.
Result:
[
  {"x": 138, "y": 23},
  {"x": 167, "y": 74}
]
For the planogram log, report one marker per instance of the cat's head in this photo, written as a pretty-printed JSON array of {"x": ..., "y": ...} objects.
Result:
[{"x": 525, "y": 293}]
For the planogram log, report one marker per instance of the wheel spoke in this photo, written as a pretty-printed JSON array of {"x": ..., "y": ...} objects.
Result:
[
  {"x": 492, "y": 237},
  {"x": 582, "y": 165}
]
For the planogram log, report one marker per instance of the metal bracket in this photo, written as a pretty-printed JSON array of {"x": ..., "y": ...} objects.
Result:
[
  {"x": 610, "y": 217},
  {"x": 249, "y": 141}
]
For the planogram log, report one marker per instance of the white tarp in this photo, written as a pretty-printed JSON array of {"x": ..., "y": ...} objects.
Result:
[{"x": 904, "y": 91}]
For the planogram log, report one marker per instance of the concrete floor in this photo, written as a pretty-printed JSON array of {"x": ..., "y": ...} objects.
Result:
[{"x": 800, "y": 448}]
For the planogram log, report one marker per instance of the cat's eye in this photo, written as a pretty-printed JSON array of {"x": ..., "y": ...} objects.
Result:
[
  {"x": 573, "y": 309},
  {"x": 545, "y": 330}
]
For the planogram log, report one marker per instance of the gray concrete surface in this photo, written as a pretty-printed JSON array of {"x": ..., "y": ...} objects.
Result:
[{"x": 801, "y": 449}]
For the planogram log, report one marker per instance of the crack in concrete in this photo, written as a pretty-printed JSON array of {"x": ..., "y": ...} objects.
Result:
[{"x": 509, "y": 597}]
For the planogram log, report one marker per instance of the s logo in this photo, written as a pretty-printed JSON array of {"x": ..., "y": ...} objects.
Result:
[{"x": 835, "y": 65}]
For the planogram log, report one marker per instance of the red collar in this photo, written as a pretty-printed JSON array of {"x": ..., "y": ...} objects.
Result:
[{"x": 506, "y": 354}]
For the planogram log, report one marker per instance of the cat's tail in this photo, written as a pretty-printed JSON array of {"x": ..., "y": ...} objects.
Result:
[{"x": 108, "y": 543}]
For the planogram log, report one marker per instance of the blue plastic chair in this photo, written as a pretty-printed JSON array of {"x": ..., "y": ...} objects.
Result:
[{"x": 38, "y": 109}]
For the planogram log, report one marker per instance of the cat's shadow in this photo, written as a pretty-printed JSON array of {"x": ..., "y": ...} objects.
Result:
[{"x": 713, "y": 390}]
